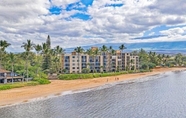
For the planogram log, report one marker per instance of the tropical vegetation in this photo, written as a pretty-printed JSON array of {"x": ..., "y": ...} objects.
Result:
[{"x": 40, "y": 60}]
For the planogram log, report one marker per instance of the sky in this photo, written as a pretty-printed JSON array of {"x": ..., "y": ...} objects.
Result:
[{"x": 72, "y": 23}]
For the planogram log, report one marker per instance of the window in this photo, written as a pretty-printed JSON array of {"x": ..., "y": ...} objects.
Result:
[
  {"x": 66, "y": 64},
  {"x": 73, "y": 56},
  {"x": 67, "y": 57},
  {"x": 73, "y": 60},
  {"x": 73, "y": 67}
]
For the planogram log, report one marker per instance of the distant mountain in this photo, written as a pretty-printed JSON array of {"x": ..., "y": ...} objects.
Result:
[{"x": 159, "y": 47}]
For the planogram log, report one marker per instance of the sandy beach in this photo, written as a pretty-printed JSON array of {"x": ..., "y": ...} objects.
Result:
[{"x": 18, "y": 95}]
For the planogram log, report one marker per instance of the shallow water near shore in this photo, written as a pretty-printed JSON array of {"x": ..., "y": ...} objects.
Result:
[{"x": 158, "y": 96}]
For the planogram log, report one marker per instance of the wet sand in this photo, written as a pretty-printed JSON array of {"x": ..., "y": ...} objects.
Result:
[{"x": 56, "y": 87}]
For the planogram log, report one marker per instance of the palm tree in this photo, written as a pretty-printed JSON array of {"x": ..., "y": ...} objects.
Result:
[
  {"x": 90, "y": 53},
  {"x": 104, "y": 51},
  {"x": 79, "y": 50},
  {"x": 131, "y": 63},
  {"x": 95, "y": 53},
  {"x": 122, "y": 47},
  {"x": 12, "y": 60},
  {"x": 153, "y": 57},
  {"x": 110, "y": 57},
  {"x": 28, "y": 46},
  {"x": 59, "y": 51},
  {"x": 112, "y": 52},
  {"x": 163, "y": 59},
  {"x": 159, "y": 60},
  {"x": 3, "y": 45},
  {"x": 38, "y": 49},
  {"x": 135, "y": 53},
  {"x": 178, "y": 59},
  {"x": 54, "y": 65},
  {"x": 167, "y": 59}
]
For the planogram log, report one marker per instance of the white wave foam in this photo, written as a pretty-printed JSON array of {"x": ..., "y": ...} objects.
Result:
[{"x": 66, "y": 93}]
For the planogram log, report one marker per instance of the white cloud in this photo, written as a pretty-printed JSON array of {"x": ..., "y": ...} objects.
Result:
[
  {"x": 170, "y": 7},
  {"x": 152, "y": 33},
  {"x": 25, "y": 19},
  {"x": 63, "y": 3},
  {"x": 174, "y": 31}
]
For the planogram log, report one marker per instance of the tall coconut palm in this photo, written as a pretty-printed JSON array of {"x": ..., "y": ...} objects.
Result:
[
  {"x": 12, "y": 60},
  {"x": 122, "y": 47},
  {"x": 38, "y": 49},
  {"x": 178, "y": 59},
  {"x": 110, "y": 57},
  {"x": 59, "y": 51},
  {"x": 159, "y": 59},
  {"x": 131, "y": 63},
  {"x": 90, "y": 53},
  {"x": 96, "y": 52},
  {"x": 79, "y": 50},
  {"x": 3, "y": 45},
  {"x": 113, "y": 52},
  {"x": 163, "y": 59},
  {"x": 104, "y": 51},
  {"x": 167, "y": 59},
  {"x": 54, "y": 58},
  {"x": 28, "y": 46},
  {"x": 135, "y": 53}
]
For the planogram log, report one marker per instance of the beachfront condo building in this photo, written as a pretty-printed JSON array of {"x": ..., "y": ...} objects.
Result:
[{"x": 102, "y": 62}]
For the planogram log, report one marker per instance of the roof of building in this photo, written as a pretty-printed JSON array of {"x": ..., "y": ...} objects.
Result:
[
  {"x": 94, "y": 48},
  {"x": 3, "y": 71}
]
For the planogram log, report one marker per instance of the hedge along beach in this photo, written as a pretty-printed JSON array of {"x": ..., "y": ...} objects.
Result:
[{"x": 20, "y": 95}]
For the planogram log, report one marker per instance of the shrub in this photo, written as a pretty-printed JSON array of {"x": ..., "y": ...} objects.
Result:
[
  {"x": 5, "y": 87},
  {"x": 144, "y": 70},
  {"x": 90, "y": 75},
  {"x": 130, "y": 71},
  {"x": 17, "y": 85},
  {"x": 86, "y": 70},
  {"x": 151, "y": 65},
  {"x": 42, "y": 80}
]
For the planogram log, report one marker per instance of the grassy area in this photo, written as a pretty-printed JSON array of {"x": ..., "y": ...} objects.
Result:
[
  {"x": 93, "y": 75},
  {"x": 22, "y": 84}
]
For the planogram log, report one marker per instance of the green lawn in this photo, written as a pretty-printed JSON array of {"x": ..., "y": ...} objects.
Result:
[
  {"x": 22, "y": 84},
  {"x": 94, "y": 75}
]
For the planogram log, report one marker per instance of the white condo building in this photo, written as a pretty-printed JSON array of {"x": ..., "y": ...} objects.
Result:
[{"x": 75, "y": 63}]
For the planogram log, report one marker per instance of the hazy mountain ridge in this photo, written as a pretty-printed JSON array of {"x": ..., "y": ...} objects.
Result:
[{"x": 160, "y": 47}]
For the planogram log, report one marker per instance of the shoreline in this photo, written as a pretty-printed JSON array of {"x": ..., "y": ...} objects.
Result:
[{"x": 63, "y": 87}]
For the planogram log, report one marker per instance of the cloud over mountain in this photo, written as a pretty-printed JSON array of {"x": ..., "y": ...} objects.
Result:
[{"x": 82, "y": 22}]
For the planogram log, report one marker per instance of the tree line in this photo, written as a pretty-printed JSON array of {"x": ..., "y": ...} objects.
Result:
[
  {"x": 47, "y": 60},
  {"x": 28, "y": 63}
]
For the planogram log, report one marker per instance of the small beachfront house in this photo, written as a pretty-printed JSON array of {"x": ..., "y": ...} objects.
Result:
[{"x": 7, "y": 76}]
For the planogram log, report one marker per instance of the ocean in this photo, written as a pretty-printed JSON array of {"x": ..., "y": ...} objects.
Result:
[{"x": 158, "y": 96}]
